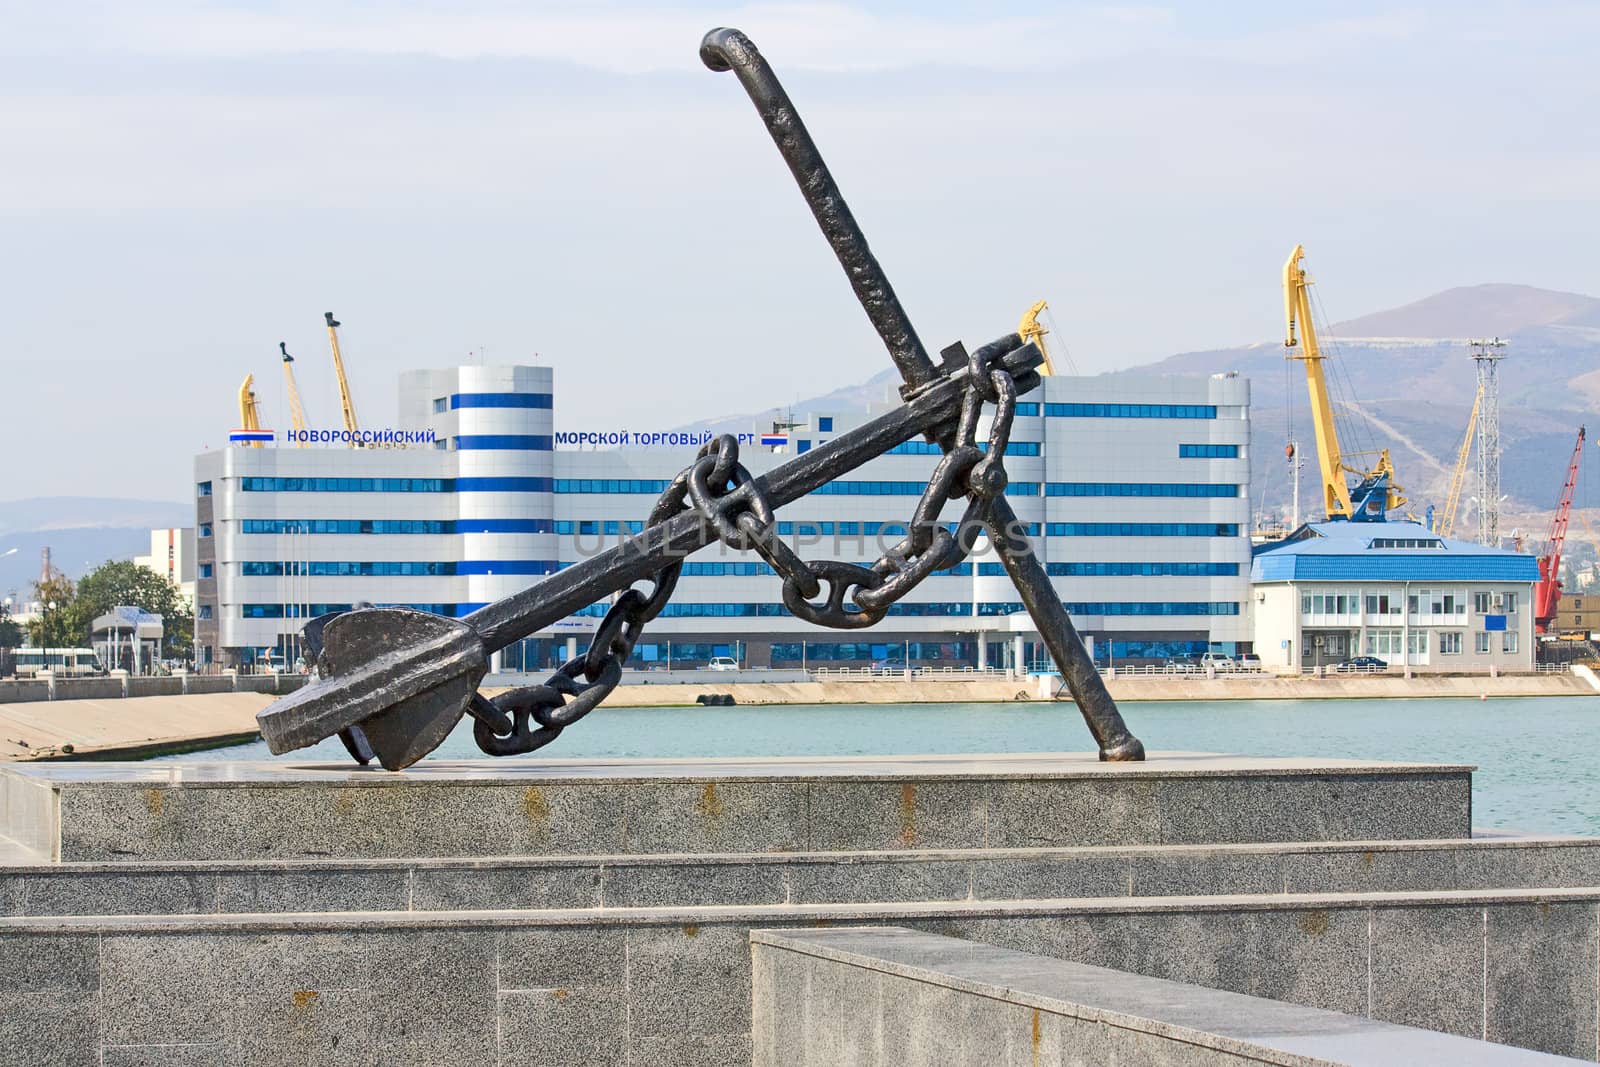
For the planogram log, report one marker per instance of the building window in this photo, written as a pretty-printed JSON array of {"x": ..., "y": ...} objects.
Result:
[
  {"x": 803, "y": 446},
  {"x": 1130, "y": 411},
  {"x": 1165, "y": 489},
  {"x": 205, "y": 570},
  {"x": 205, "y": 611},
  {"x": 1383, "y": 604},
  {"x": 543, "y": 401},
  {"x": 1138, "y": 570},
  {"x": 1383, "y": 642},
  {"x": 440, "y": 405},
  {"x": 824, "y": 423},
  {"x": 1208, "y": 451},
  {"x": 1482, "y": 604},
  {"x": 204, "y": 530},
  {"x": 1141, "y": 529},
  {"x": 1509, "y": 600},
  {"x": 1508, "y": 641},
  {"x": 202, "y": 489},
  {"x": 1481, "y": 643},
  {"x": 1417, "y": 642},
  {"x": 506, "y": 442},
  {"x": 1027, "y": 407},
  {"x": 1450, "y": 642}
]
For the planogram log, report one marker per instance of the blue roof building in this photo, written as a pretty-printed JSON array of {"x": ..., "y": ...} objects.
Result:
[{"x": 1394, "y": 591}]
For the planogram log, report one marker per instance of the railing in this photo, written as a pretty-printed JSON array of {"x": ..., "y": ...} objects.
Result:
[
  {"x": 1553, "y": 668},
  {"x": 935, "y": 674}
]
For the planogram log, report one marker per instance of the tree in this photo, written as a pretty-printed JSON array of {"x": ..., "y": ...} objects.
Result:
[
  {"x": 56, "y": 627},
  {"x": 116, "y": 583},
  {"x": 10, "y": 632}
]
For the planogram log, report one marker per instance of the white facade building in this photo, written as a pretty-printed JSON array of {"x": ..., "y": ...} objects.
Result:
[
  {"x": 172, "y": 557},
  {"x": 1395, "y": 591},
  {"x": 1135, "y": 493}
]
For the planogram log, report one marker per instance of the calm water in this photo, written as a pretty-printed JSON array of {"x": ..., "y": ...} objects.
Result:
[{"x": 1536, "y": 757}]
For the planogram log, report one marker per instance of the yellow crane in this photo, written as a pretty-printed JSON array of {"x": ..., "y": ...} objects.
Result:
[
  {"x": 249, "y": 413},
  {"x": 1375, "y": 494},
  {"x": 297, "y": 414},
  {"x": 1458, "y": 477},
  {"x": 346, "y": 406},
  {"x": 1030, "y": 330}
]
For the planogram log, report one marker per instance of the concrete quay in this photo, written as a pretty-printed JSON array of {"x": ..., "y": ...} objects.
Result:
[{"x": 472, "y": 914}]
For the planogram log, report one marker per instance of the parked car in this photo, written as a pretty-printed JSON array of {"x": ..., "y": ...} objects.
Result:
[
  {"x": 1218, "y": 661},
  {"x": 1250, "y": 662},
  {"x": 1182, "y": 665},
  {"x": 1361, "y": 663},
  {"x": 722, "y": 663}
]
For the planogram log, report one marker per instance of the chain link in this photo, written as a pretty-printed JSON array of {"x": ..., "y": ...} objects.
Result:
[{"x": 736, "y": 506}]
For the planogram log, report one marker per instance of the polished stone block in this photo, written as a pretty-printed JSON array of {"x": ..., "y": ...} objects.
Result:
[
  {"x": 177, "y": 811},
  {"x": 917, "y": 1000}
]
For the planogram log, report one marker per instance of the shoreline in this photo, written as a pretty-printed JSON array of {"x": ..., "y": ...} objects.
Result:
[{"x": 143, "y": 727}]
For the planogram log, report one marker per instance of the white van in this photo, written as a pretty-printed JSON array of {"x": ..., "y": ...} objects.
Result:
[{"x": 722, "y": 663}]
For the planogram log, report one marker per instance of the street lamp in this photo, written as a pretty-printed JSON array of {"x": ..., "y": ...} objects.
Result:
[{"x": 44, "y": 633}]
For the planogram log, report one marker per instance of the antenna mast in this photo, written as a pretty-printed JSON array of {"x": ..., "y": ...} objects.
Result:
[{"x": 1487, "y": 355}]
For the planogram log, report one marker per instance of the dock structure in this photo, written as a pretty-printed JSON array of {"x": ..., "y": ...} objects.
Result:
[{"x": 606, "y": 911}]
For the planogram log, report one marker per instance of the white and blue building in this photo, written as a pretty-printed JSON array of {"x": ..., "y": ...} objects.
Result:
[
  {"x": 1134, "y": 490},
  {"x": 1395, "y": 591}
]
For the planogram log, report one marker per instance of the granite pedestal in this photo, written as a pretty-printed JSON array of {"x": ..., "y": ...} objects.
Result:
[{"x": 600, "y": 912}]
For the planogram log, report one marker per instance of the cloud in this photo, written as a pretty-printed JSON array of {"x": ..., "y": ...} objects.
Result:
[{"x": 630, "y": 40}]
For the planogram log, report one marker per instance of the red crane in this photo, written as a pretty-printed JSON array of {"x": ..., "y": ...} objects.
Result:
[{"x": 1547, "y": 594}]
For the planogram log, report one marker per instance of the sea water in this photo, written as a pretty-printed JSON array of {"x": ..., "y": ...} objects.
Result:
[{"x": 1538, "y": 758}]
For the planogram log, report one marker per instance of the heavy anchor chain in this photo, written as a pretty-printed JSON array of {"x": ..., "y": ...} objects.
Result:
[
  {"x": 392, "y": 682},
  {"x": 529, "y": 717}
]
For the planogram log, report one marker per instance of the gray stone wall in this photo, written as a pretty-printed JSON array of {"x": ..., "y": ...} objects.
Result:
[{"x": 670, "y": 987}]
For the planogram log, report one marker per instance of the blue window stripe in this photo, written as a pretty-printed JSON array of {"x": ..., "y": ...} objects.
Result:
[
  {"x": 1131, "y": 411},
  {"x": 1198, "y": 607},
  {"x": 394, "y": 526},
  {"x": 653, "y": 486},
  {"x": 1141, "y": 529},
  {"x": 1208, "y": 451},
  {"x": 347, "y": 485},
  {"x": 510, "y": 442},
  {"x": 504, "y": 526},
  {"x": 311, "y": 611},
  {"x": 760, "y": 610},
  {"x": 499, "y": 400},
  {"x": 1027, "y": 407},
  {"x": 505, "y": 485},
  {"x": 928, "y": 448},
  {"x": 1207, "y": 489},
  {"x": 1131, "y": 570},
  {"x": 507, "y": 566}
]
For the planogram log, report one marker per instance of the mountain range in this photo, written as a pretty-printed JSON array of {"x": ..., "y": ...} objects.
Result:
[{"x": 1402, "y": 379}]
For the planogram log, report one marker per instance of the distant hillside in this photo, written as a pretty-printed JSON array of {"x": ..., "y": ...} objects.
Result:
[
  {"x": 1410, "y": 375},
  {"x": 1411, "y": 378},
  {"x": 81, "y": 532}
]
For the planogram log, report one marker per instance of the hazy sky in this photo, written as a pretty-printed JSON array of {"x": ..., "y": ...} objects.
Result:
[{"x": 183, "y": 185}]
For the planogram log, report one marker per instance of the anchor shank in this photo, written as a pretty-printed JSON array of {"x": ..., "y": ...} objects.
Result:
[{"x": 725, "y": 49}]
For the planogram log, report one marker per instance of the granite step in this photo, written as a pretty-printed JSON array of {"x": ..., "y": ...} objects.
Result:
[
  {"x": 200, "y": 811},
  {"x": 577, "y": 882},
  {"x": 669, "y": 986}
]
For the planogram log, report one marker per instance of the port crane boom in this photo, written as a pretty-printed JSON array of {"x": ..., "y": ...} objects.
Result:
[
  {"x": 297, "y": 414},
  {"x": 346, "y": 405},
  {"x": 1458, "y": 477},
  {"x": 249, "y": 412},
  {"x": 1547, "y": 594},
  {"x": 1375, "y": 494},
  {"x": 1031, "y": 330}
]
